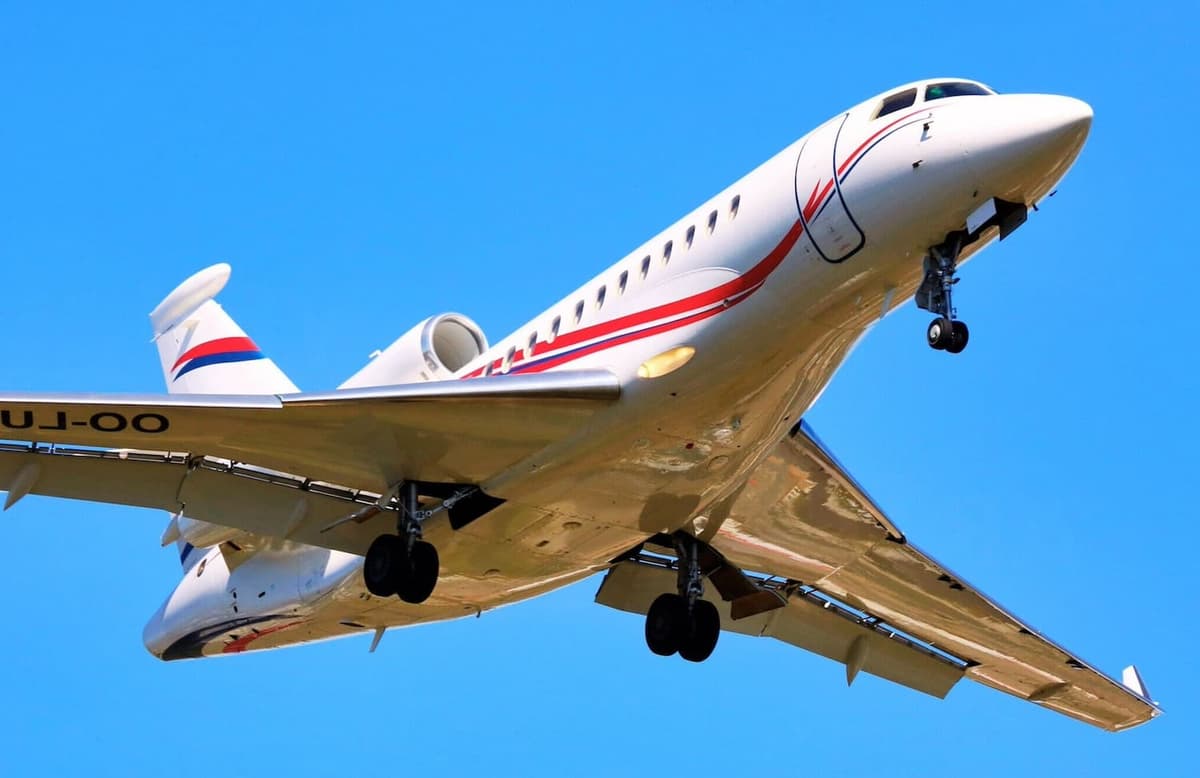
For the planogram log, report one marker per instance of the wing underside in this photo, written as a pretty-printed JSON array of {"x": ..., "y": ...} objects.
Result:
[
  {"x": 851, "y": 586},
  {"x": 293, "y": 466},
  {"x": 804, "y": 519}
]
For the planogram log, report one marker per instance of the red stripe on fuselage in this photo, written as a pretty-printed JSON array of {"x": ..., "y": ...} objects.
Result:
[
  {"x": 748, "y": 281},
  {"x": 815, "y": 199},
  {"x": 241, "y": 644},
  {"x": 218, "y": 346},
  {"x": 862, "y": 146},
  {"x": 629, "y": 337}
]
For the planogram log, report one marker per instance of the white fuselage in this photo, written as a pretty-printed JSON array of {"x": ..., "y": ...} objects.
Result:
[{"x": 723, "y": 330}]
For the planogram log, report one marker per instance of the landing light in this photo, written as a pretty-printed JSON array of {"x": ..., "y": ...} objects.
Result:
[{"x": 666, "y": 362}]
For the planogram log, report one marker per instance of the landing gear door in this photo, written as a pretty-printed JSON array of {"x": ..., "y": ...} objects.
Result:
[{"x": 827, "y": 221}]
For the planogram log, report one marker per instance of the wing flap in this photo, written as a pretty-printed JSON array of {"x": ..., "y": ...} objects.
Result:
[
  {"x": 806, "y": 622},
  {"x": 259, "y": 502},
  {"x": 802, "y": 516},
  {"x": 142, "y": 480}
]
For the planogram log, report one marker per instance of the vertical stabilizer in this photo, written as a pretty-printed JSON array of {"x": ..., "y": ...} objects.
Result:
[{"x": 203, "y": 350}]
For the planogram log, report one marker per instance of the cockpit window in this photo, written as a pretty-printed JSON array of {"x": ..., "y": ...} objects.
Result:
[
  {"x": 953, "y": 89},
  {"x": 897, "y": 102}
]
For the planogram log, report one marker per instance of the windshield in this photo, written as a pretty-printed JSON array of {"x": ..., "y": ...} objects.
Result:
[
  {"x": 953, "y": 89},
  {"x": 897, "y": 102}
]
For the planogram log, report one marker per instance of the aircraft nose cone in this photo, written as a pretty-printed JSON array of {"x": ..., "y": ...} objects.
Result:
[
  {"x": 1075, "y": 115},
  {"x": 1021, "y": 145},
  {"x": 1057, "y": 124}
]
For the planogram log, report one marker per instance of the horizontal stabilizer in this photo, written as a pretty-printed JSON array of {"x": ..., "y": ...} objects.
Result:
[{"x": 188, "y": 296}]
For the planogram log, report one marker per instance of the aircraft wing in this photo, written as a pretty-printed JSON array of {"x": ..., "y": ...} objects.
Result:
[
  {"x": 803, "y": 518},
  {"x": 299, "y": 461}
]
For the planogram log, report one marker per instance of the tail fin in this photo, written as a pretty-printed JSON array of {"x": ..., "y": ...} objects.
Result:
[{"x": 203, "y": 350}]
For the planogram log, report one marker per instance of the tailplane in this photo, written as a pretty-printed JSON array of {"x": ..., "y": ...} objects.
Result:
[{"x": 203, "y": 350}]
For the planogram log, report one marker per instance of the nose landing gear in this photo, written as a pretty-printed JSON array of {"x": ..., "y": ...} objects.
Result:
[
  {"x": 683, "y": 623},
  {"x": 945, "y": 333},
  {"x": 403, "y": 563}
]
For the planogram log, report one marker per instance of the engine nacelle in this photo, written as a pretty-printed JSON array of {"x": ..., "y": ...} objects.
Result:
[{"x": 433, "y": 350}]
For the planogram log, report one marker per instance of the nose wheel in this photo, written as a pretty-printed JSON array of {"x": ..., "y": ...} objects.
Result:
[
  {"x": 403, "y": 564},
  {"x": 935, "y": 294},
  {"x": 683, "y": 623}
]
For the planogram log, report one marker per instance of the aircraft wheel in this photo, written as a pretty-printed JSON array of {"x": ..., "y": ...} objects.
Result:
[
  {"x": 416, "y": 579},
  {"x": 383, "y": 558},
  {"x": 666, "y": 624},
  {"x": 940, "y": 333},
  {"x": 959, "y": 337},
  {"x": 703, "y": 632}
]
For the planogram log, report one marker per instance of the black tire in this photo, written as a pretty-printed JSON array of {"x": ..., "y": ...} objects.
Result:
[
  {"x": 383, "y": 557},
  {"x": 960, "y": 336},
  {"x": 705, "y": 630},
  {"x": 666, "y": 624},
  {"x": 420, "y": 576},
  {"x": 940, "y": 333}
]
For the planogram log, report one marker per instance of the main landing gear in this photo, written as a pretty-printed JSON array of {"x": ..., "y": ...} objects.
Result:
[
  {"x": 403, "y": 564},
  {"x": 683, "y": 622},
  {"x": 945, "y": 333}
]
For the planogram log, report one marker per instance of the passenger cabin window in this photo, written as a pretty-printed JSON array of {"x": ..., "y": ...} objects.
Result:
[
  {"x": 508, "y": 359},
  {"x": 667, "y": 251},
  {"x": 691, "y": 235},
  {"x": 600, "y": 297},
  {"x": 579, "y": 311},
  {"x": 532, "y": 343},
  {"x": 623, "y": 281},
  {"x": 554, "y": 327},
  {"x": 897, "y": 102},
  {"x": 712, "y": 222},
  {"x": 953, "y": 89},
  {"x": 734, "y": 205},
  {"x": 645, "y": 266}
]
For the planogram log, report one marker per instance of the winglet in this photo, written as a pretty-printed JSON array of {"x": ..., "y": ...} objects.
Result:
[{"x": 1131, "y": 679}]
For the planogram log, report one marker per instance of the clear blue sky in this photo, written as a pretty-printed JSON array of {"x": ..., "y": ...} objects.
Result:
[{"x": 362, "y": 169}]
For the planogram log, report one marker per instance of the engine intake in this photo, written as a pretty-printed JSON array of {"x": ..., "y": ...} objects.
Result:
[{"x": 434, "y": 350}]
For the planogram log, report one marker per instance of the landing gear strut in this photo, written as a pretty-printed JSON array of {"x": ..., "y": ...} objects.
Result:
[
  {"x": 944, "y": 333},
  {"x": 683, "y": 622},
  {"x": 403, "y": 563}
]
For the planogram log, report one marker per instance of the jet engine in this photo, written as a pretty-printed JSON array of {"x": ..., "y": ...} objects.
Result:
[{"x": 433, "y": 350}]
